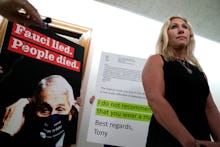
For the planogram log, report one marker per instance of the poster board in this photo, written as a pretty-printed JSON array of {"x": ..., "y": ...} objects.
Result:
[
  {"x": 120, "y": 114},
  {"x": 28, "y": 55}
]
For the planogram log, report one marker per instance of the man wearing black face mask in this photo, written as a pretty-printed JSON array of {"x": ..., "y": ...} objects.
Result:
[{"x": 50, "y": 118}]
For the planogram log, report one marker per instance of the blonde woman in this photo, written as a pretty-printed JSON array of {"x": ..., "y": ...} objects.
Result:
[{"x": 184, "y": 113}]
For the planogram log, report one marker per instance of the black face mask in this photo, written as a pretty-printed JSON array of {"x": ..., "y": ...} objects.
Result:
[{"x": 51, "y": 128}]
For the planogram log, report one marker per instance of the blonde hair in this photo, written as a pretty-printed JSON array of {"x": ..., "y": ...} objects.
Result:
[{"x": 167, "y": 52}]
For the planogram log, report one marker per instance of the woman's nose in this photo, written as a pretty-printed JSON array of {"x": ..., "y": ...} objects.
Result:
[{"x": 180, "y": 30}]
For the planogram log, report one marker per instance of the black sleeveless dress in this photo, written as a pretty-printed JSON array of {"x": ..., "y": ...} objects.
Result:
[{"x": 187, "y": 93}]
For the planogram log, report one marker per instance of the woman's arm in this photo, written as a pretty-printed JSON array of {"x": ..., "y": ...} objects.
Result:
[
  {"x": 153, "y": 82},
  {"x": 213, "y": 117}
]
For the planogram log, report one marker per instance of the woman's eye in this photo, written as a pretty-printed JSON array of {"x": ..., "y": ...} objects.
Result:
[
  {"x": 173, "y": 26},
  {"x": 185, "y": 26}
]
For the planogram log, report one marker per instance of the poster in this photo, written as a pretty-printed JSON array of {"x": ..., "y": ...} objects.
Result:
[
  {"x": 120, "y": 114},
  {"x": 28, "y": 55}
]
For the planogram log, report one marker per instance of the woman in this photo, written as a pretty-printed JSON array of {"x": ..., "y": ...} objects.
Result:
[{"x": 184, "y": 113}]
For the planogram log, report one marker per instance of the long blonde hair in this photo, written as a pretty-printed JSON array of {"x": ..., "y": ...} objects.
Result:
[{"x": 167, "y": 52}]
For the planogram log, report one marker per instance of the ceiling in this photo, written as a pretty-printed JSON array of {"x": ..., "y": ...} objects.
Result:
[{"x": 204, "y": 15}]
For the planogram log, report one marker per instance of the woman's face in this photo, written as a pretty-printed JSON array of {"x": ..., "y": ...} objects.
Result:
[{"x": 178, "y": 34}]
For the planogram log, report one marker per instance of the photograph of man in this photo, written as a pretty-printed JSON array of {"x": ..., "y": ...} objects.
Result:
[{"x": 48, "y": 119}]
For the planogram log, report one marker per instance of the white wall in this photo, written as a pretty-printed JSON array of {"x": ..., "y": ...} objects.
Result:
[{"x": 121, "y": 32}]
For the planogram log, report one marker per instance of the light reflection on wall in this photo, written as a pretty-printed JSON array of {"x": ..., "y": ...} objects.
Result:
[{"x": 208, "y": 53}]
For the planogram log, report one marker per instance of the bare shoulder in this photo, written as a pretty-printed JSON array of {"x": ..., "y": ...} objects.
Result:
[
  {"x": 156, "y": 59},
  {"x": 154, "y": 63},
  {"x": 153, "y": 68}
]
